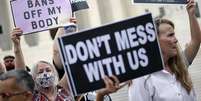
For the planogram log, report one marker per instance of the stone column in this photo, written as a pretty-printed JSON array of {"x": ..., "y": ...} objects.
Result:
[
  {"x": 32, "y": 39},
  {"x": 5, "y": 42},
  {"x": 129, "y": 9},
  {"x": 110, "y": 10},
  {"x": 7, "y": 24},
  {"x": 88, "y": 18}
]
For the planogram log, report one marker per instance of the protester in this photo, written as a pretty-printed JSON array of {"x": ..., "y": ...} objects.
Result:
[
  {"x": 91, "y": 96},
  {"x": 47, "y": 85},
  {"x": 57, "y": 61},
  {"x": 44, "y": 74},
  {"x": 16, "y": 85},
  {"x": 48, "y": 88},
  {"x": 56, "y": 55},
  {"x": 9, "y": 62},
  {"x": 173, "y": 83}
]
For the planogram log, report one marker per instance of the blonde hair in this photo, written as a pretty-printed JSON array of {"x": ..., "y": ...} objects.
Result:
[
  {"x": 177, "y": 63},
  {"x": 179, "y": 68}
]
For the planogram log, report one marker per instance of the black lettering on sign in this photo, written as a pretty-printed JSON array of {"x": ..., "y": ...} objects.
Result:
[
  {"x": 39, "y": 3},
  {"x": 44, "y": 23},
  {"x": 32, "y": 14},
  {"x": 54, "y": 10}
]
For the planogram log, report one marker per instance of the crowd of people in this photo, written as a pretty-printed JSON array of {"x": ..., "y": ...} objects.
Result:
[{"x": 48, "y": 81}]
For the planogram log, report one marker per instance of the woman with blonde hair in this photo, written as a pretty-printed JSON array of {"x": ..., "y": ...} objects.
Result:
[{"x": 174, "y": 82}]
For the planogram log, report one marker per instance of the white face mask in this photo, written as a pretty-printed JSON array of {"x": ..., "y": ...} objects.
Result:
[{"x": 45, "y": 79}]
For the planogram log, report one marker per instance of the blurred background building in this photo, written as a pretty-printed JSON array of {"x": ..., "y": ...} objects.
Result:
[{"x": 39, "y": 46}]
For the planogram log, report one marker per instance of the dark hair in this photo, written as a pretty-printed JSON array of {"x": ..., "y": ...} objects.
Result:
[
  {"x": 23, "y": 78},
  {"x": 163, "y": 21},
  {"x": 8, "y": 56}
]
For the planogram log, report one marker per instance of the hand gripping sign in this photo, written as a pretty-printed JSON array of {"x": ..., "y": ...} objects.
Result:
[
  {"x": 38, "y": 15},
  {"x": 127, "y": 49}
]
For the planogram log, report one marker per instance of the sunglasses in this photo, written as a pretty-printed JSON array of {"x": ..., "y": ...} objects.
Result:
[{"x": 8, "y": 95}]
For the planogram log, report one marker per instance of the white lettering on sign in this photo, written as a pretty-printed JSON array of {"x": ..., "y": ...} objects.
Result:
[
  {"x": 95, "y": 71},
  {"x": 84, "y": 50},
  {"x": 131, "y": 38},
  {"x": 135, "y": 36},
  {"x": 137, "y": 58}
]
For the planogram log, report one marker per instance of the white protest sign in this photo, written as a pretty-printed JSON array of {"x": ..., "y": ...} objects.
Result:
[{"x": 38, "y": 15}]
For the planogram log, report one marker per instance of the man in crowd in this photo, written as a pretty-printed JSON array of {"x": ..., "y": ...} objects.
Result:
[
  {"x": 9, "y": 62},
  {"x": 16, "y": 85}
]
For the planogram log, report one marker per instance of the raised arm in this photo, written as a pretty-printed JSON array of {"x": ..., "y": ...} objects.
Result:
[
  {"x": 56, "y": 55},
  {"x": 19, "y": 58},
  {"x": 194, "y": 45}
]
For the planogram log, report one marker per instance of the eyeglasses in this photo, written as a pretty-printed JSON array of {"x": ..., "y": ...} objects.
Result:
[{"x": 8, "y": 95}]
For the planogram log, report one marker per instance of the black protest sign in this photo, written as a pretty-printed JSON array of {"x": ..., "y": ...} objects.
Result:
[
  {"x": 127, "y": 49},
  {"x": 161, "y": 1},
  {"x": 79, "y": 5},
  {"x": 38, "y": 15}
]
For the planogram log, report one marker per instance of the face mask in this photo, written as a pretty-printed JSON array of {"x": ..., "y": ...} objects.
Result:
[{"x": 45, "y": 79}]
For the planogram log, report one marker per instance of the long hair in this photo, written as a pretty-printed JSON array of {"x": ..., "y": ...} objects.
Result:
[{"x": 177, "y": 64}]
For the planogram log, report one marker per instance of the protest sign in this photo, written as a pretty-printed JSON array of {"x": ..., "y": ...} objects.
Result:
[
  {"x": 161, "y": 1},
  {"x": 79, "y": 5},
  {"x": 38, "y": 15},
  {"x": 127, "y": 49}
]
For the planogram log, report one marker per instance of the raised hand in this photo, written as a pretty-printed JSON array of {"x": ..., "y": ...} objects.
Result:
[
  {"x": 191, "y": 7},
  {"x": 73, "y": 20},
  {"x": 15, "y": 35},
  {"x": 111, "y": 85}
]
